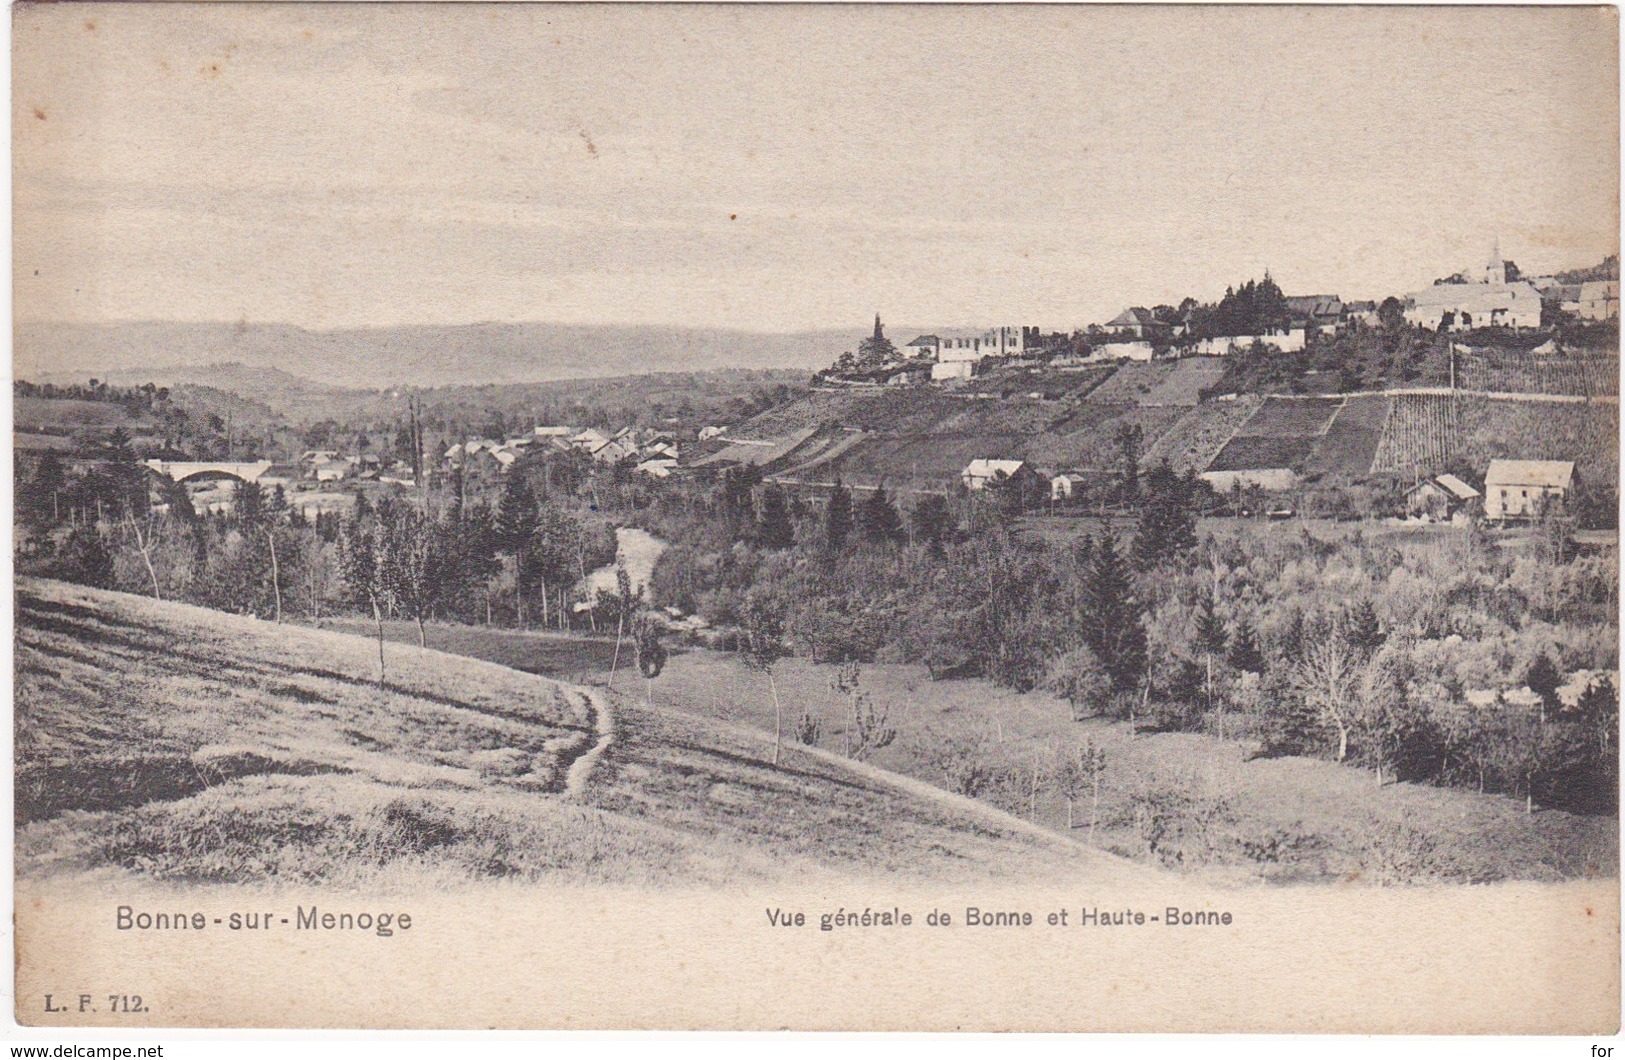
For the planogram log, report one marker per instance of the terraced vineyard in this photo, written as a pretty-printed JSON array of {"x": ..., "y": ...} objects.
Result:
[
  {"x": 1419, "y": 433},
  {"x": 755, "y": 453},
  {"x": 1198, "y": 436},
  {"x": 894, "y": 410},
  {"x": 1051, "y": 384},
  {"x": 903, "y": 463},
  {"x": 1283, "y": 432},
  {"x": 1434, "y": 432},
  {"x": 1587, "y": 434},
  {"x": 1258, "y": 454},
  {"x": 1349, "y": 446},
  {"x": 1583, "y": 373}
]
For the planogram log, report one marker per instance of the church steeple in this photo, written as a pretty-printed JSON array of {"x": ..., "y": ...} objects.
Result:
[
  {"x": 1496, "y": 270},
  {"x": 879, "y": 335}
]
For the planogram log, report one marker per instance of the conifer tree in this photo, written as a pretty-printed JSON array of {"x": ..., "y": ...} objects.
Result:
[
  {"x": 877, "y": 349},
  {"x": 1111, "y": 615},
  {"x": 361, "y": 566},
  {"x": 1129, "y": 439},
  {"x": 1362, "y": 628},
  {"x": 773, "y": 526},
  {"x": 1244, "y": 652},
  {"x": 248, "y": 506},
  {"x": 931, "y": 521},
  {"x": 838, "y": 519},
  {"x": 878, "y": 521},
  {"x": 516, "y": 515},
  {"x": 1167, "y": 526}
]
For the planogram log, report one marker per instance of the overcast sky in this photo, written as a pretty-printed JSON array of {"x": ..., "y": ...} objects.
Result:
[{"x": 782, "y": 168}]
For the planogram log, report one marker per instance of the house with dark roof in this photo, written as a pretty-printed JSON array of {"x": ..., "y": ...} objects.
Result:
[
  {"x": 1440, "y": 497},
  {"x": 1362, "y": 312},
  {"x": 926, "y": 346},
  {"x": 1136, "y": 321},
  {"x": 1314, "y": 311}
]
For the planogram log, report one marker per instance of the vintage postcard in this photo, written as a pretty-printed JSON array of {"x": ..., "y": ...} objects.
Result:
[{"x": 820, "y": 517}]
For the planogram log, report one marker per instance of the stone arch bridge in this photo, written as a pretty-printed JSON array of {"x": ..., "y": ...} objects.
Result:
[{"x": 182, "y": 471}]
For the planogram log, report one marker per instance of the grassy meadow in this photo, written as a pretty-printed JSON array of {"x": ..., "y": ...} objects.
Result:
[
  {"x": 186, "y": 745},
  {"x": 1189, "y": 802}
]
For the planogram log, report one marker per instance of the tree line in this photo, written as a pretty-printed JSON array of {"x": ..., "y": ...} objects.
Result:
[
  {"x": 1364, "y": 651},
  {"x": 519, "y": 562}
]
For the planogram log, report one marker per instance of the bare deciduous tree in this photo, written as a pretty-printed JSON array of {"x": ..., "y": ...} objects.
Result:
[
  {"x": 1328, "y": 680},
  {"x": 144, "y": 544}
]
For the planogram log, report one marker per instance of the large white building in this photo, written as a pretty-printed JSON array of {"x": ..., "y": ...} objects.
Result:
[
  {"x": 972, "y": 345},
  {"x": 1489, "y": 303},
  {"x": 1459, "y": 306}
]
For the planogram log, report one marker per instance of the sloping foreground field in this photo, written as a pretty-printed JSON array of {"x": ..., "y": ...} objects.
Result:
[{"x": 186, "y": 745}]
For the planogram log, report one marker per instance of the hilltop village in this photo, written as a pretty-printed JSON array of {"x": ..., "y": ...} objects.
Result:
[{"x": 1482, "y": 393}]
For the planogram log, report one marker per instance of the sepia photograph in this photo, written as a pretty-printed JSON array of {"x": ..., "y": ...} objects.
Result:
[{"x": 829, "y": 517}]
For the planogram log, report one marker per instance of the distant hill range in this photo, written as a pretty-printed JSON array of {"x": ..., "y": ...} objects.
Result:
[{"x": 284, "y": 356}]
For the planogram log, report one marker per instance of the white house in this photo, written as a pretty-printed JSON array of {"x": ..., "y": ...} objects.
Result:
[
  {"x": 1517, "y": 489},
  {"x": 1459, "y": 306},
  {"x": 979, "y": 473},
  {"x": 658, "y": 468},
  {"x": 1063, "y": 486},
  {"x": 1599, "y": 300},
  {"x": 972, "y": 345}
]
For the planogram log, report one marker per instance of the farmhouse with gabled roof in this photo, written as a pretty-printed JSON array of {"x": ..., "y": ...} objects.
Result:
[{"x": 1518, "y": 489}]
